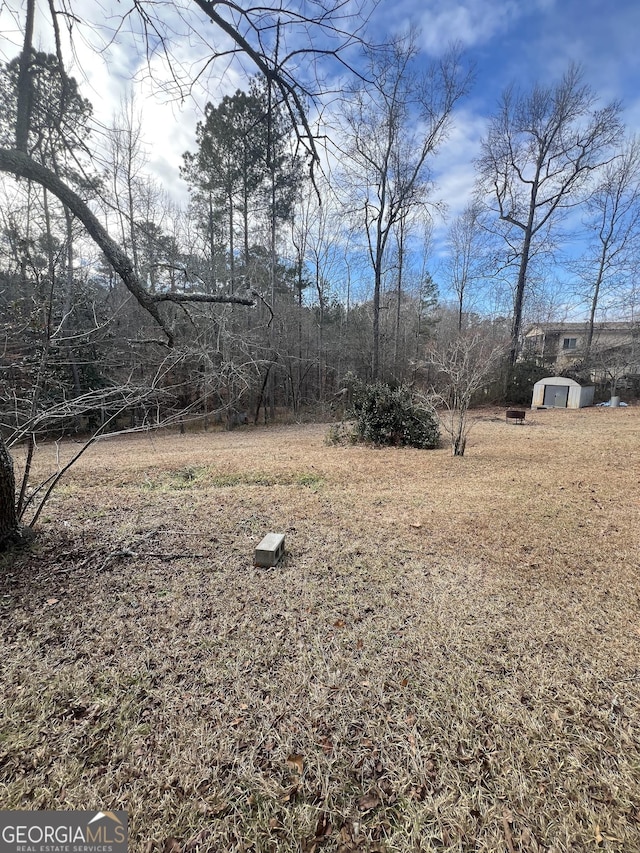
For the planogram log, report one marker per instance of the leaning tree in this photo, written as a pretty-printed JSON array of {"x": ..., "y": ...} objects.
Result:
[{"x": 277, "y": 39}]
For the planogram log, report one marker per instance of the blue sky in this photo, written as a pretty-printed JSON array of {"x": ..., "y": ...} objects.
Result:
[
  {"x": 525, "y": 43},
  {"x": 506, "y": 40}
]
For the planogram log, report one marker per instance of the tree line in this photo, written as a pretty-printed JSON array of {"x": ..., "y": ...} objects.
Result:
[{"x": 302, "y": 256}]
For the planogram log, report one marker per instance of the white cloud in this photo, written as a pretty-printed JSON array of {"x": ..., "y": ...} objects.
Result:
[
  {"x": 514, "y": 41},
  {"x": 113, "y": 59},
  {"x": 470, "y": 22},
  {"x": 455, "y": 175}
]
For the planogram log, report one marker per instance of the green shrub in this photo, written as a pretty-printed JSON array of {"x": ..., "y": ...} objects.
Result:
[
  {"x": 392, "y": 416},
  {"x": 341, "y": 434},
  {"x": 522, "y": 377}
]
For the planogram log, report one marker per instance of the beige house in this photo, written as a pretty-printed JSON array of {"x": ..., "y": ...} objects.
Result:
[{"x": 614, "y": 353}]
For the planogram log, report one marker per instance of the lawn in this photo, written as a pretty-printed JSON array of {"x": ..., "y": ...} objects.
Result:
[{"x": 448, "y": 658}]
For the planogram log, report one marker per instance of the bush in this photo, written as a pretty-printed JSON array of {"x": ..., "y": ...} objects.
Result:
[
  {"x": 392, "y": 416},
  {"x": 341, "y": 434}
]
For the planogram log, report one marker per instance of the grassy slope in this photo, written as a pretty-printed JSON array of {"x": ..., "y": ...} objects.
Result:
[{"x": 447, "y": 660}]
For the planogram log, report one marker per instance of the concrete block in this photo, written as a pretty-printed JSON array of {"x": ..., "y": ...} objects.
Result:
[{"x": 270, "y": 550}]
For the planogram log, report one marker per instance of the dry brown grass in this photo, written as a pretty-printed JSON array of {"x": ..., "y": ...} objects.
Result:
[{"x": 447, "y": 660}]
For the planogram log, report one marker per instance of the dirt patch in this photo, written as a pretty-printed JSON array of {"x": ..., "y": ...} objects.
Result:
[{"x": 446, "y": 660}]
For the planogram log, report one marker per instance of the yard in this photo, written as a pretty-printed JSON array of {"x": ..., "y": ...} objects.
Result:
[{"x": 448, "y": 659}]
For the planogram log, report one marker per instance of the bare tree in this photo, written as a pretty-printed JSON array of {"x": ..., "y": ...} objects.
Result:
[
  {"x": 126, "y": 160},
  {"x": 467, "y": 259},
  {"x": 463, "y": 366},
  {"x": 248, "y": 32},
  {"x": 317, "y": 236},
  {"x": 244, "y": 31},
  {"x": 539, "y": 152},
  {"x": 614, "y": 222},
  {"x": 392, "y": 130}
]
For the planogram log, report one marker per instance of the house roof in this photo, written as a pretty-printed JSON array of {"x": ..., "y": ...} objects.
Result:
[{"x": 546, "y": 328}]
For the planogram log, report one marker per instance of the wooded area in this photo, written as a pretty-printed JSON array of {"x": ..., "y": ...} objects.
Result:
[{"x": 304, "y": 255}]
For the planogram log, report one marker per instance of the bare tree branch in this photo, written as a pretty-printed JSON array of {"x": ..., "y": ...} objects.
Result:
[{"x": 539, "y": 152}]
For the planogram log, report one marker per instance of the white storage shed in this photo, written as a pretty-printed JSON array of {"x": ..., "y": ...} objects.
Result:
[{"x": 558, "y": 392}]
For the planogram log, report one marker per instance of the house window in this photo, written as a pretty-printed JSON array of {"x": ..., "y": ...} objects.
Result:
[{"x": 569, "y": 343}]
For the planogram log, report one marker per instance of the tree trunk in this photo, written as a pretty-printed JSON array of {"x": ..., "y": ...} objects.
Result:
[
  {"x": 594, "y": 303},
  {"x": 212, "y": 248},
  {"x": 66, "y": 312},
  {"x": 25, "y": 93},
  {"x": 396, "y": 344},
  {"x": 9, "y": 527},
  {"x": 518, "y": 304},
  {"x": 232, "y": 258},
  {"x": 375, "y": 363}
]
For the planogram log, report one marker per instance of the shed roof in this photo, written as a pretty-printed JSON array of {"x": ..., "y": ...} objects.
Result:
[{"x": 558, "y": 380}]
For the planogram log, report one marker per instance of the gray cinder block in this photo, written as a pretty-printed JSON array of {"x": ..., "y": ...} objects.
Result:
[{"x": 270, "y": 550}]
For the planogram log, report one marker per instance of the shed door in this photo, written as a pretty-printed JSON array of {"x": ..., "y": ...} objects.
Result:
[{"x": 556, "y": 396}]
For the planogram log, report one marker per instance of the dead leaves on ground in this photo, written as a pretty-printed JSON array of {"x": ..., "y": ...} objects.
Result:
[
  {"x": 296, "y": 762},
  {"x": 323, "y": 831},
  {"x": 521, "y": 635},
  {"x": 348, "y": 839},
  {"x": 368, "y": 802},
  {"x": 351, "y": 837},
  {"x": 174, "y": 845}
]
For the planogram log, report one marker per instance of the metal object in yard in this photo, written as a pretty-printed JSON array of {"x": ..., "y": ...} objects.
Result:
[{"x": 516, "y": 415}]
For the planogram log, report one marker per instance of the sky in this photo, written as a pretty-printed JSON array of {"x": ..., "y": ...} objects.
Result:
[
  {"x": 506, "y": 41},
  {"x": 526, "y": 43}
]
